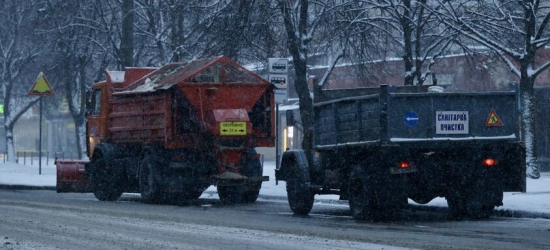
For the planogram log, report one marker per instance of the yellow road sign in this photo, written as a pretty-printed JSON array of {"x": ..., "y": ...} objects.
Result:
[
  {"x": 493, "y": 120},
  {"x": 41, "y": 87},
  {"x": 232, "y": 128}
]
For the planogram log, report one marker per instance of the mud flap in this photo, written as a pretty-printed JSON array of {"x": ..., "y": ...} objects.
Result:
[{"x": 71, "y": 177}]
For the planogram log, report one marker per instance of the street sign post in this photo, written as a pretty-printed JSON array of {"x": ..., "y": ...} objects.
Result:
[
  {"x": 40, "y": 88},
  {"x": 278, "y": 76}
]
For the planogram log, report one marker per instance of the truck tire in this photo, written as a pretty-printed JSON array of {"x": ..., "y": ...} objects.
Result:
[
  {"x": 252, "y": 193},
  {"x": 372, "y": 196},
  {"x": 105, "y": 179},
  {"x": 249, "y": 192},
  {"x": 295, "y": 169},
  {"x": 457, "y": 205},
  {"x": 470, "y": 201},
  {"x": 252, "y": 168},
  {"x": 300, "y": 198},
  {"x": 181, "y": 197},
  {"x": 361, "y": 196},
  {"x": 231, "y": 194},
  {"x": 149, "y": 178},
  {"x": 239, "y": 194},
  {"x": 466, "y": 207},
  {"x": 190, "y": 194}
]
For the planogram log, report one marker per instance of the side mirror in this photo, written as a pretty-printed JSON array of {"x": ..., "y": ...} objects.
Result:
[
  {"x": 290, "y": 118},
  {"x": 88, "y": 102}
]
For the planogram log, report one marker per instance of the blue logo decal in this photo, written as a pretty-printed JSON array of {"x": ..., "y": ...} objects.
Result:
[{"x": 411, "y": 119}]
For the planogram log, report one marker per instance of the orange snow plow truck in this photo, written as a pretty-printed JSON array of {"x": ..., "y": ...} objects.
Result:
[{"x": 171, "y": 132}]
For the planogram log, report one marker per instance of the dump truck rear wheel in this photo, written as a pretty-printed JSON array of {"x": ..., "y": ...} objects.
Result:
[
  {"x": 462, "y": 207},
  {"x": 105, "y": 181},
  {"x": 360, "y": 198},
  {"x": 367, "y": 201},
  {"x": 149, "y": 183},
  {"x": 239, "y": 194},
  {"x": 252, "y": 168},
  {"x": 468, "y": 203},
  {"x": 189, "y": 194},
  {"x": 457, "y": 206},
  {"x": 177, "y": 198},
  {"x": 231, "y": 194},
  {"x": 252, "y": 193}
]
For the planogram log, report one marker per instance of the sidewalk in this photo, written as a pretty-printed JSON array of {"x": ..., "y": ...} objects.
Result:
[{"x": 535, "y": 202}]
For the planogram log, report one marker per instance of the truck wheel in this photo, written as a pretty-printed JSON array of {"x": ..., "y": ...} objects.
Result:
[
  {"x": 190, "y": 194},
  {"x": 300, "y": 198},
  {"x": 481, "y": 212},
  {"x": 179, "y": 197},
  {"x": 231, "y": 194},
  {"x": 252, "y": 193},
  {"x": 468, "y": 202},
  {"x": 106, "y": 183},
  {"x": 367, "y": 192},
  {"x": 239, "y": 194},
  {"x": 361, "y": 203},
  {"x": 461, "y": 208},
  {"x": 252, "y": 168},
  {"x": 149, "y": 178},
  {"x": 457, "y": 206}
]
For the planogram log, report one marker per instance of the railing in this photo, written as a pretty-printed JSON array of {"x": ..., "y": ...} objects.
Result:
[{"x": 31, "y": 156}]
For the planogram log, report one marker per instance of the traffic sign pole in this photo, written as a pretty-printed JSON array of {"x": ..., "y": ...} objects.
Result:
[
  {"x": 40, "y": 141},
  {"x": 277, "y": 140},
  {"x": 40, "y": 88},
  {"x": 278, "y": 76}
]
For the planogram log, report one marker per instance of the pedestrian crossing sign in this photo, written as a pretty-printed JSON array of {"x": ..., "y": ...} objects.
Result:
[
  {"x": 41, "y": 87},
  {"x": 493, "y": 120}
]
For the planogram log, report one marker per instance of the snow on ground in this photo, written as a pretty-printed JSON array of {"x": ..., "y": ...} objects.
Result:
[
  {"x": 536, "y": 200},
  {"x": 19, "y": 174}
]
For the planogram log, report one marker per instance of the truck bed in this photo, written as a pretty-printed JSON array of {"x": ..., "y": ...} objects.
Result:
[{"x": 394, "y": 116}]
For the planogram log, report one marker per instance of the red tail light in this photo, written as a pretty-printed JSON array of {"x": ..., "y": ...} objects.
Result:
[
  {"x": 404, "y": 164},
  {"x": 489, "y": 162}
]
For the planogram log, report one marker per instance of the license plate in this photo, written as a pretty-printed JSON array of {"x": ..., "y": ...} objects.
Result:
[
  {"x": 232, "y": 128},
  {"x": 397, "y": 170}
]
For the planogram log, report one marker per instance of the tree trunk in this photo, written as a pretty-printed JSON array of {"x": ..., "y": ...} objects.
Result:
[
  {"x": 80, "y": 133},
  {"x": 10, "y": 146},
  {"x": 407, "y": 42},
  {"x": 306, "y": 104},
  {"x": 297, "y": 46},
  {"x": 528, "y": 125},
  {"x": 127, "y": 34}
]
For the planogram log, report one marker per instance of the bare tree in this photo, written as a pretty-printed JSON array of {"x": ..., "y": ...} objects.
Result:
[
  {"x": 16, "y": 53},
  {"x": 301, "y": 22},
  {"x": 127, "y": 34},
  {"x": 112, "y": 21},
  {"x": 416, "y": 33},
  {"x": 516, "y": 31},
  {"x": 73, "y": 35}
]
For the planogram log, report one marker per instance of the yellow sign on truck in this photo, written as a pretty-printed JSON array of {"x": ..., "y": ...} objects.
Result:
[{"x": 232, "y": 128}]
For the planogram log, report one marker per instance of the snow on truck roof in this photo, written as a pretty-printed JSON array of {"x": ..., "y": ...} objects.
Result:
[
  {"x": 215, "y": 70},
  {"x": 116, "y": 76}
]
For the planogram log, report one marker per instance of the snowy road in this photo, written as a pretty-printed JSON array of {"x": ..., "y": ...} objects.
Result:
[{"x": 44, "y": 220}]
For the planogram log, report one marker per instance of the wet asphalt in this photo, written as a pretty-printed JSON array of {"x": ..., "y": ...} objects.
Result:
[{"x": 42, "y": 219}]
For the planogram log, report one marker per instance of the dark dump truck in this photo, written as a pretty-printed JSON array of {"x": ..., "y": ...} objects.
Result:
[{"x": 376, "y": 147}]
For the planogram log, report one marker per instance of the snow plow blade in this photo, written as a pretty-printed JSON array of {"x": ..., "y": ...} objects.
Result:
[{"x": 71, "y": 177}]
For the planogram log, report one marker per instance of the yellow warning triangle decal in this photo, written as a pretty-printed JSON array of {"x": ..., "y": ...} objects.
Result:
[
  {"x": 41, "y": 86},
  {"x": 493, "y": 119}
]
